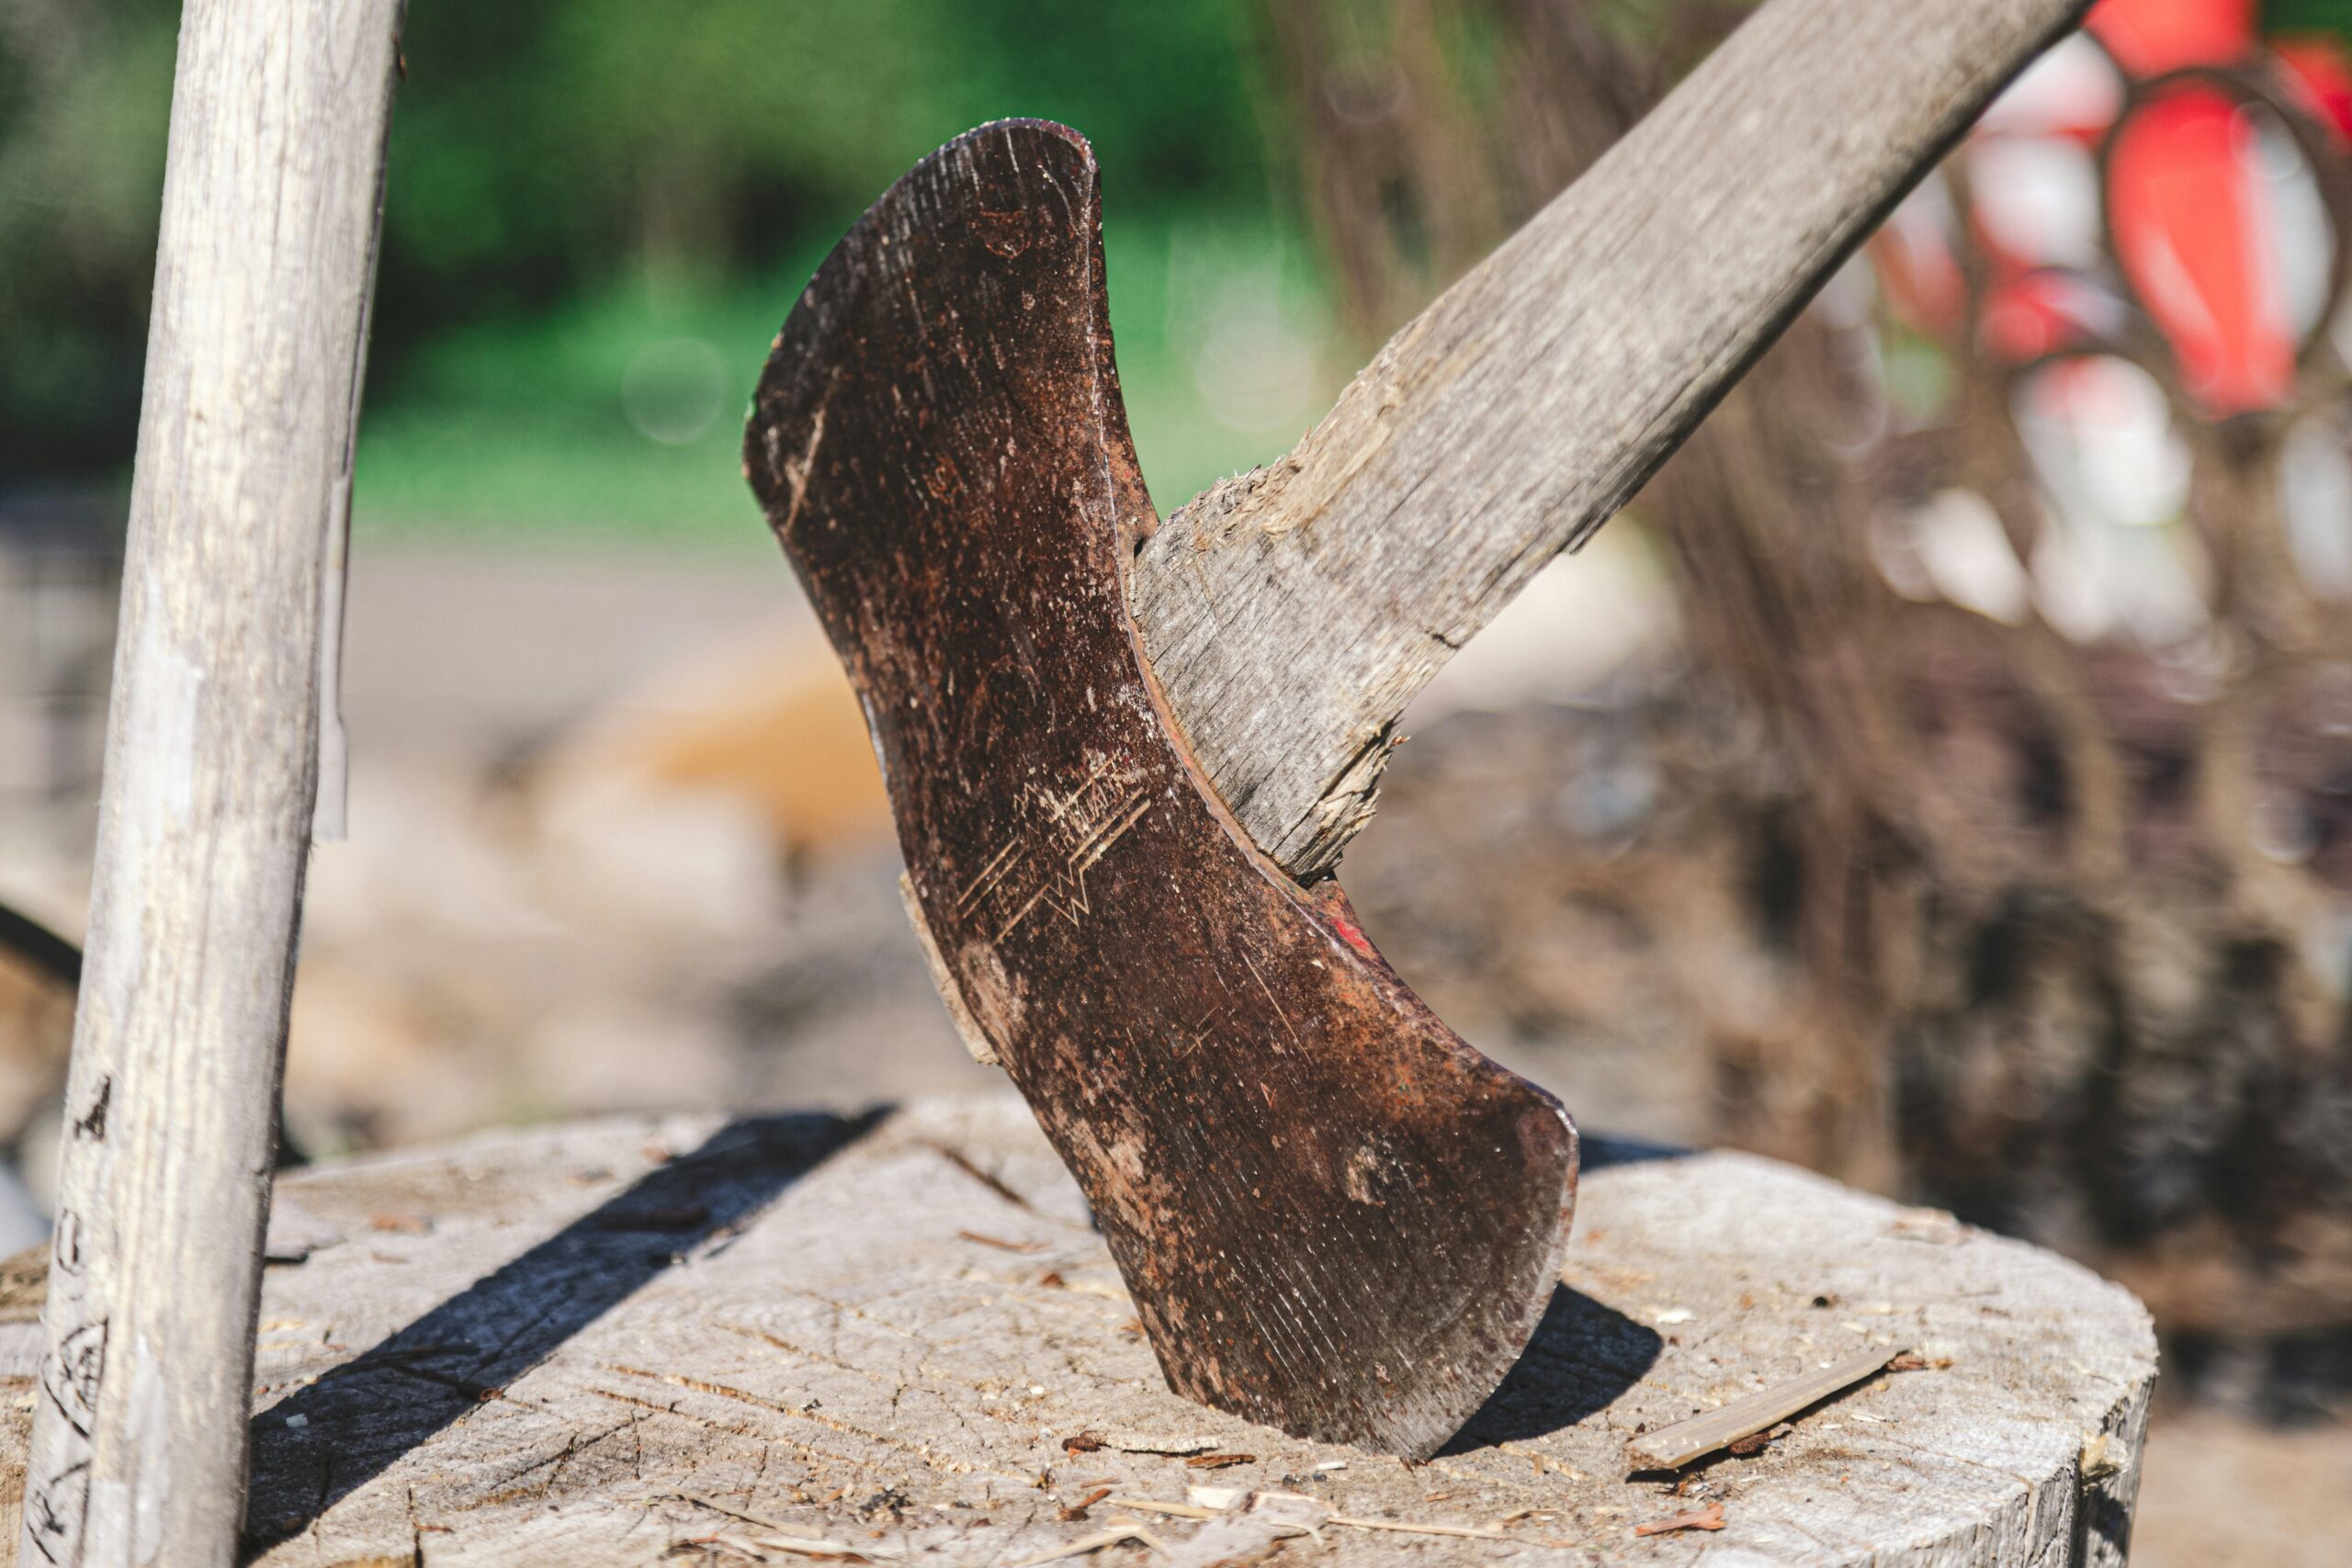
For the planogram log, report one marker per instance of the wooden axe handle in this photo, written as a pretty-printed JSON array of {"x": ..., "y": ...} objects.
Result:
[{"x": 1291, "y": 614}]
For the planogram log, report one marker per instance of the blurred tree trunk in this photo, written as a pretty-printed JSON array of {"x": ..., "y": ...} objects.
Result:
[
  {"x": 2042, "y": 954},
  {"x": 1409, "y": 185}
]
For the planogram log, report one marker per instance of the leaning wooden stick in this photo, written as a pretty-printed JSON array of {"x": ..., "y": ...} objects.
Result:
[
  {"x": 271, "y": 197},
  {"x": 1292, "y": 612}
]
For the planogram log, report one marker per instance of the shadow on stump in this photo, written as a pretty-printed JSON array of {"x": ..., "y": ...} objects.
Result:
[
  {"x": 1583, "y": 1355},
  {"x": 320, "y": 1444}
]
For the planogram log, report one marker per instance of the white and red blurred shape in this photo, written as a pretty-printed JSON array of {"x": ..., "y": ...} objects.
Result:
[
  {"x": 2152, "y": 191},
  {"x": 2114, "y": 557}
]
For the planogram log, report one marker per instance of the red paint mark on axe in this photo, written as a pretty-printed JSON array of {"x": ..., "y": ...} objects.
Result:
[{"x": 1351, "y": 934}]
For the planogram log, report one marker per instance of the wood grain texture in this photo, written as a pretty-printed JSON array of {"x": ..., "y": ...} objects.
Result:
[
  {"x": 270, "y": 200},
  {"x": 603, "y": 1343},
  {"x": 1671, "y": 1447},
  {"x": 1335, "y": 1215},
  {"x": 1292, "y": 613}
]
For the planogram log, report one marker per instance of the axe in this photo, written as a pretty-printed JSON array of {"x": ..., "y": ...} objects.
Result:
[{"x": 1124, "y": 755}]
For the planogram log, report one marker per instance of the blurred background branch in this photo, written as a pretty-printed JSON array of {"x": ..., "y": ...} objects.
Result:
[{"x": 2019, "y": 568}]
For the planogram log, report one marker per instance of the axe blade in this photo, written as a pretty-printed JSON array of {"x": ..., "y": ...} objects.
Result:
[{"x": 1334, "y": 1216}]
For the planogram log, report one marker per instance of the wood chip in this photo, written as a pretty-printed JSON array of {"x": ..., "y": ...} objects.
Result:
[
  {"x": 1393, "y": 1527},
  {"x": 1110, "y": 1291},
  {"x": 781, "y": 1537},
  {"x": 405, "y": 1224},
  {"x": 1173, "y": 1510},
  {"x": 1929, "y": 1226},
  {"x": 1400, "y": 1527},
  {"x": 1756, "y": 1443},
  {"x": 999, "y": 1243},
  {"x": 1117, "y": 1535},
  {"x": 699, "y": 1501},
  {"x": 1129, "y": 1442},
  {"x": 1073, "y": 1512},
  {"x": 758, "y": 1549},
  {"x": 1671, "y": 1447},
  {"x": 1710, "y": 1517},
  {"x": 2101, "y": 1456},
  {"x": 829, "y": 1551},
  {"x": 1218, "y": 1462}
]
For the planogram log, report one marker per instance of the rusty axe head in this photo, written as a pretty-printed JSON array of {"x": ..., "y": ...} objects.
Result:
[{"x": 1334, "y": 1216}]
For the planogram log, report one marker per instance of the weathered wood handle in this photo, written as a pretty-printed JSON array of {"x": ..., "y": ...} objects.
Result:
[
  {"x": 271, "y": 193},
  {"x": 1292, "y": 612}
]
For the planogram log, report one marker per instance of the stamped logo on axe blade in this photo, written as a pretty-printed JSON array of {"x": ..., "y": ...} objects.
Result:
[{"x": 1334, "y": 1216}]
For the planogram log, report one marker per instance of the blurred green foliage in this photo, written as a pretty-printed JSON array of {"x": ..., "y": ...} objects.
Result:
[
  {"x": 618, "y": 411},
  {"x": 542, "y": 148},
  {"x": 2307, "y": 16},
  {"x": 600, "y": 210},
  {"x": 84, "y": 94},
  {"x": 578, "y": 185}
]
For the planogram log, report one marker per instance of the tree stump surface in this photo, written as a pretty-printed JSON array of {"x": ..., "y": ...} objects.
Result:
[{"x": 665, "y": 1339}]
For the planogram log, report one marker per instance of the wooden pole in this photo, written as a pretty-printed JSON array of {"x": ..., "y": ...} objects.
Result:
[
  {"x": 271, "y": 197},
  {"x": 1292, "y": 614}
]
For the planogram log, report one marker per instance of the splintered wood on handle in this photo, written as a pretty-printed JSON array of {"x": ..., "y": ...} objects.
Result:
[
  {"x": 271, "y": 193},
  {"x": 1671, "y": 1447}
]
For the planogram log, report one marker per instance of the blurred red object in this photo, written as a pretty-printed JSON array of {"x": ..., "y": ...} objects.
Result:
[
  {"x": 2194, "y": 231},
  {"x": 2030, "y": 314},
  {"x": 2321, "y": 75},
  {"x": 2193, "y": 221},
  {"x": 2150, "y": 36}
]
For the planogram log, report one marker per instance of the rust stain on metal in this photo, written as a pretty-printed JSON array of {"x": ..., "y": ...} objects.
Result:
[{"x": 1334, "y": 1216}]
